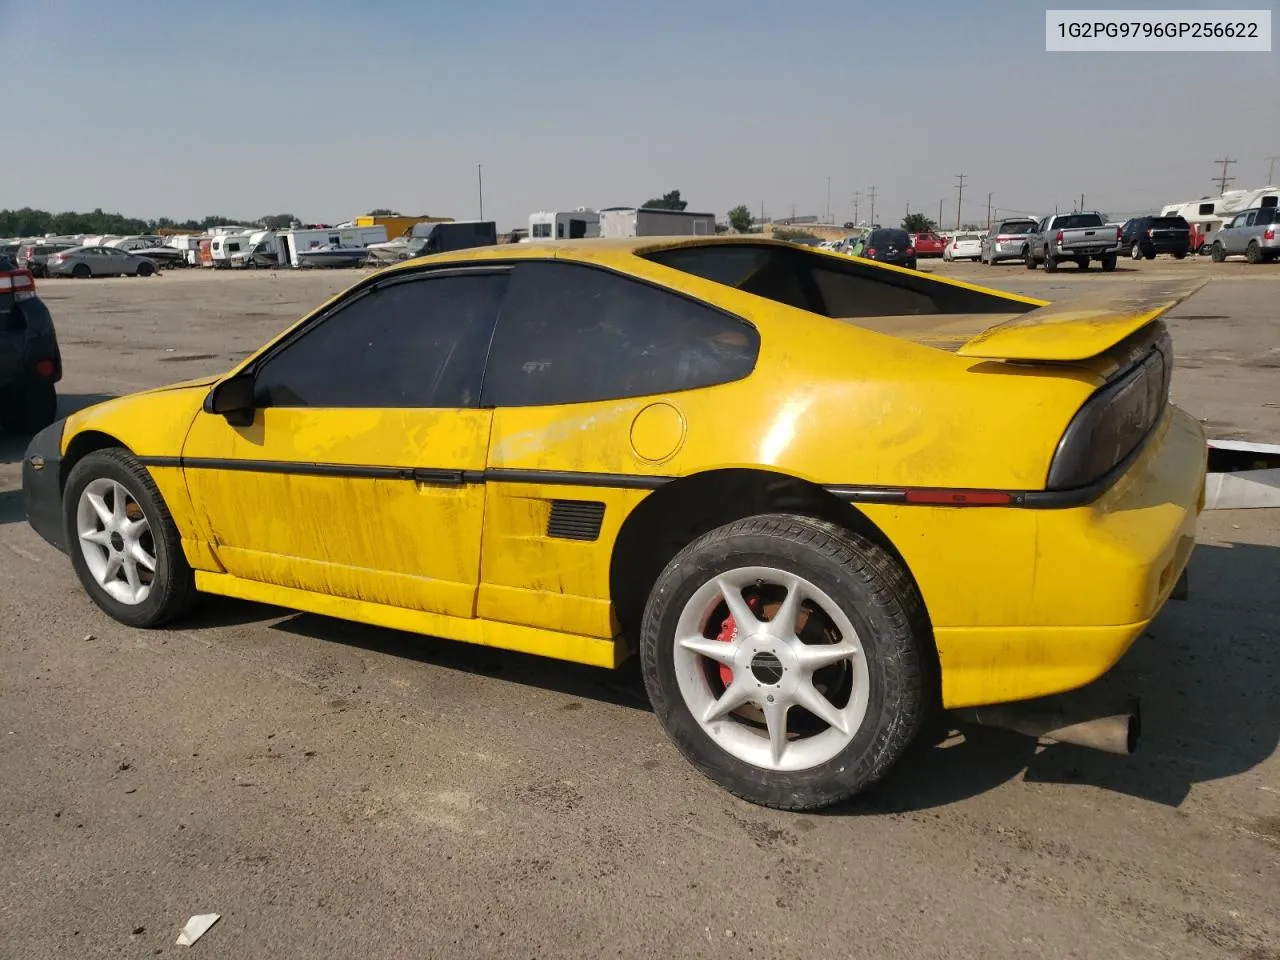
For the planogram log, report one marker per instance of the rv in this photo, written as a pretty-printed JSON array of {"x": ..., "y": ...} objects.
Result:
[
  {"x": 226, "y": 246},
  {"x": 293, "y": 242},
  {"x": 563, "y": 225},
  {"x": 651, "y": 222},
  {"x": 1208, "y": 215},
  {"x": 261, "y": 250},
  {"x": 454, "y": 235}
]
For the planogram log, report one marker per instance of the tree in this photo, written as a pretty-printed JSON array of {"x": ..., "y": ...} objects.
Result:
[
  {"x": 384, "y": 212},
  {"x": 740, "y": 218},
  {"x": 917, "y": 223},
  {"x": 277, "y": 221},
  {"x": 669, "y": 201}
]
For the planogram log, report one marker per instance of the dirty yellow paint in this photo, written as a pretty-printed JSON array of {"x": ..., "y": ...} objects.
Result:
[{"x": 1023, "y": 602}]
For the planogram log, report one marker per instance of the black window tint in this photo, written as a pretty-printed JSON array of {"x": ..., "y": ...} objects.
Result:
[
  {"x": 416, "y": 343},
  {"x": 573, "y": 334},
  {"x": 847, "y": 295}
]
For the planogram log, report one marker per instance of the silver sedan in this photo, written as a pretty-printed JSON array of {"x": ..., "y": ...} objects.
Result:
[{"x": 84, "y": 262}]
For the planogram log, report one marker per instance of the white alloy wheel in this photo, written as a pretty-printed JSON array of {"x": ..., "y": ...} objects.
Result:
[
  {"x": 788, "y": 646},
  {"x": 116, "y": 541}
]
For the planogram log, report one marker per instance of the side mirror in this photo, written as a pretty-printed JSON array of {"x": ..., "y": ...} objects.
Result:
[{"x": 233, "y": 399}]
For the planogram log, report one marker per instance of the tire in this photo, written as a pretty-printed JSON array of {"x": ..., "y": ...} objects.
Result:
[
  {"x": 1109, "y": 262},
  {"x": 1151, "y": 255},
  {"x": 1050, "y": 264},
  {"x": 1180, "y": 256},
  {"x": 1135, "y": 252},
  {"x": 1083, "y": 263},
  {"x": 1028, "y": 260},
  {"x": 145, "y": 270},
  {"x": 81, "y": 271},
  {"x": 1253, "y": 252},
  {"x": 27, "y": 408},
  {"x": 1217, "y": 253},
  {"x": 171, "y": 591},
  {"x": 890, "y": 681}
]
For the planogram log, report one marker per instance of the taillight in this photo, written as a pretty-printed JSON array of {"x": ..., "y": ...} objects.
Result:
[
  {"x": 910, "y": 251},
  {"x": 20, "y": 283},
  {"x": 1058, "y": 238},
  {"x": 1003, "y": 239},
  {"x": 871, "y": 251},
  {"x": 46, "y": 368},
  {"x": 1270, "y": 234}
]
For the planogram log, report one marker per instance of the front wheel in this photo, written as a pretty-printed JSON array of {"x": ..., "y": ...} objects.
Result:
[
  {"x": 1217, "y": 253},
  {"x": 124, "y": 545},
  {"x": 145, "y": 270},
  {"x": 789, "y": 659},
  {"x": 1028, "y": 260}
]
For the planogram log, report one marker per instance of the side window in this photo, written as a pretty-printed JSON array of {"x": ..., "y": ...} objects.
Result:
[
  {"x": 417, "y": 343},
  {"x": 574, "y": 334}
]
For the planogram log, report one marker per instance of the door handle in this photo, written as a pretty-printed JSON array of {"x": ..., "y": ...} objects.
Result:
[{"x": 439, "y": 477}]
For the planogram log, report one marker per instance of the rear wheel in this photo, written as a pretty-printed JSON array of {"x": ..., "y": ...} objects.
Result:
[
  {"x": 28, "y": 407},
  {"x": 1109, "y": 262},
  {"x": 81, "y": 271},
  {"x": 1135, "y": 252},
  {"x": 1180, "y": 256},
  {"x": 788, "y": 658},
  {"x": 1217, "y": 253},
  {"x": 1253, "y": 252},
  {"x": 124, "y": 545},
  {"x": 1050, "y": 263}
]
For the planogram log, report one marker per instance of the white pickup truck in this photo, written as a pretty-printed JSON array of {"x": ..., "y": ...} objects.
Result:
[{"x": 1079, "y": 237}]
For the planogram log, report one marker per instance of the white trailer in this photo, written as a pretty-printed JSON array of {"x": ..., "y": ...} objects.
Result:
[
  {"x": 293, "y": 241},
  {"x": 650, "y": 222},
  {"x": 226, "y": 246},
  {"x": 1210, "y": 214},
  {"x": 563, "y": 225}
]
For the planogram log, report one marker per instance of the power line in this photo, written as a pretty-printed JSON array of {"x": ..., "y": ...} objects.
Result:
[
  {"x": 961, "y": 177},
  {"x": 1224, "y": 179}
]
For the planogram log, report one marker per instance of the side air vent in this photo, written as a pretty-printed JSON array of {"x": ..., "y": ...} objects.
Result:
[{"x": 575, "y": 519}]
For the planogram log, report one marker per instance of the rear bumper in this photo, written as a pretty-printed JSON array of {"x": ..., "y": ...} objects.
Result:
[
  {"x": 1165, "y": 246},
  {"x": 42, "y": 484},
  {"x": 1027, "y": 603}
]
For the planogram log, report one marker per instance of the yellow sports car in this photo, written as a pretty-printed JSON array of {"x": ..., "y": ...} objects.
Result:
[{"x": 817, "y": 495}]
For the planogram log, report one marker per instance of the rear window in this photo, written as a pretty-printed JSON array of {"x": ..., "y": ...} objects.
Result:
[
  {"x": 1073, "y": 221},
  {"x": 889, "y": 238},
  {"x": 1017, "y": 226},
  {"x": 1169, "y": 223}
]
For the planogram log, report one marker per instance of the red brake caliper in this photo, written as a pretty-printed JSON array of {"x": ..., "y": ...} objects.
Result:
[{"x": 729, "y": 633}]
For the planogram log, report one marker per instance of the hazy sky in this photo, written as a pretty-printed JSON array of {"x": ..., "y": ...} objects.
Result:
[{"x": 327, "y": 109}]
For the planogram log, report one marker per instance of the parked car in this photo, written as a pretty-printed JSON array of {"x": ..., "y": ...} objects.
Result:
[
  {"x": 1148, "y": 236},
  {"x": 1009, "y": 242},
  {"x": 1253, "y": 234},
  {"x": 34, "y": 256},
  {"x": 30, "y": 362},
  {"x": 927, "y": 244},
  {"x": 83, "y": 262},
  {"x": 889, "y": 245},
  {"x": 1079, "y": 237},
  {"x": 963, "y": 246},
  {"x": 708, "y": 452}
]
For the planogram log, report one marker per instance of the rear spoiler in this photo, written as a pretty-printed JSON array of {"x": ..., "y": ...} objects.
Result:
[{"x": 1080, "y": 328}]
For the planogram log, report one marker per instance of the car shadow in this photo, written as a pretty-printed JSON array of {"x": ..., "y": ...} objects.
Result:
[{"x": 1208, "y": 674}]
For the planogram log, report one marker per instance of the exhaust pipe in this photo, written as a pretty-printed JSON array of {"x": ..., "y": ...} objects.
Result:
[{"x": 1113, "y": 730}]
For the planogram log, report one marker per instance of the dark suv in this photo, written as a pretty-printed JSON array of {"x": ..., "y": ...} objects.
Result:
[
  {"x": 1147, "y": 236},
  {"x": 30, "y": 363},
  {"x": 890, "y": 245}
]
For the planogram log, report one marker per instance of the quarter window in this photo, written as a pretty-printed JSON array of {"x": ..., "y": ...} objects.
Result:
[
  {"x": 414, "y": 343},
  {"x": 573, "y": 334}
]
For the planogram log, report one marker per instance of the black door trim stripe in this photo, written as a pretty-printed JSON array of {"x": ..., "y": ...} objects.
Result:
[{"x": 855, "y": 493}]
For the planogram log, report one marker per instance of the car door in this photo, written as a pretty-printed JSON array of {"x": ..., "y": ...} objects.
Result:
[
  {"x": 1232, "y": 234},
  {"x": 358, "y": 471},
  {"x": 593, "y": 378}
]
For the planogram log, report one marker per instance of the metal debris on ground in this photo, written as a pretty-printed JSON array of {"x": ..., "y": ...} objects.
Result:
[{"x": 196, "y": 928}]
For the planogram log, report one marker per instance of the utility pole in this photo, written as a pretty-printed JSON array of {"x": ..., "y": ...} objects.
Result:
[
  {"x": 939, "y": 214},
  {"x": 793, "y": 214},
  {"x": 1224, "y": 179},
  {"x": 1082, "y": 203},
  {"x": 1271, "y": 169},
  {"x": 907, "y": 212},
  {"x": 480, "y": 183},
  {"x": 960, "y": 177},
  {"x": 857, "y": 198},
  {"x": 988, "y": 213},
  {"x": 762, "y": 214},
  {"x": 872, "y": 190}
]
